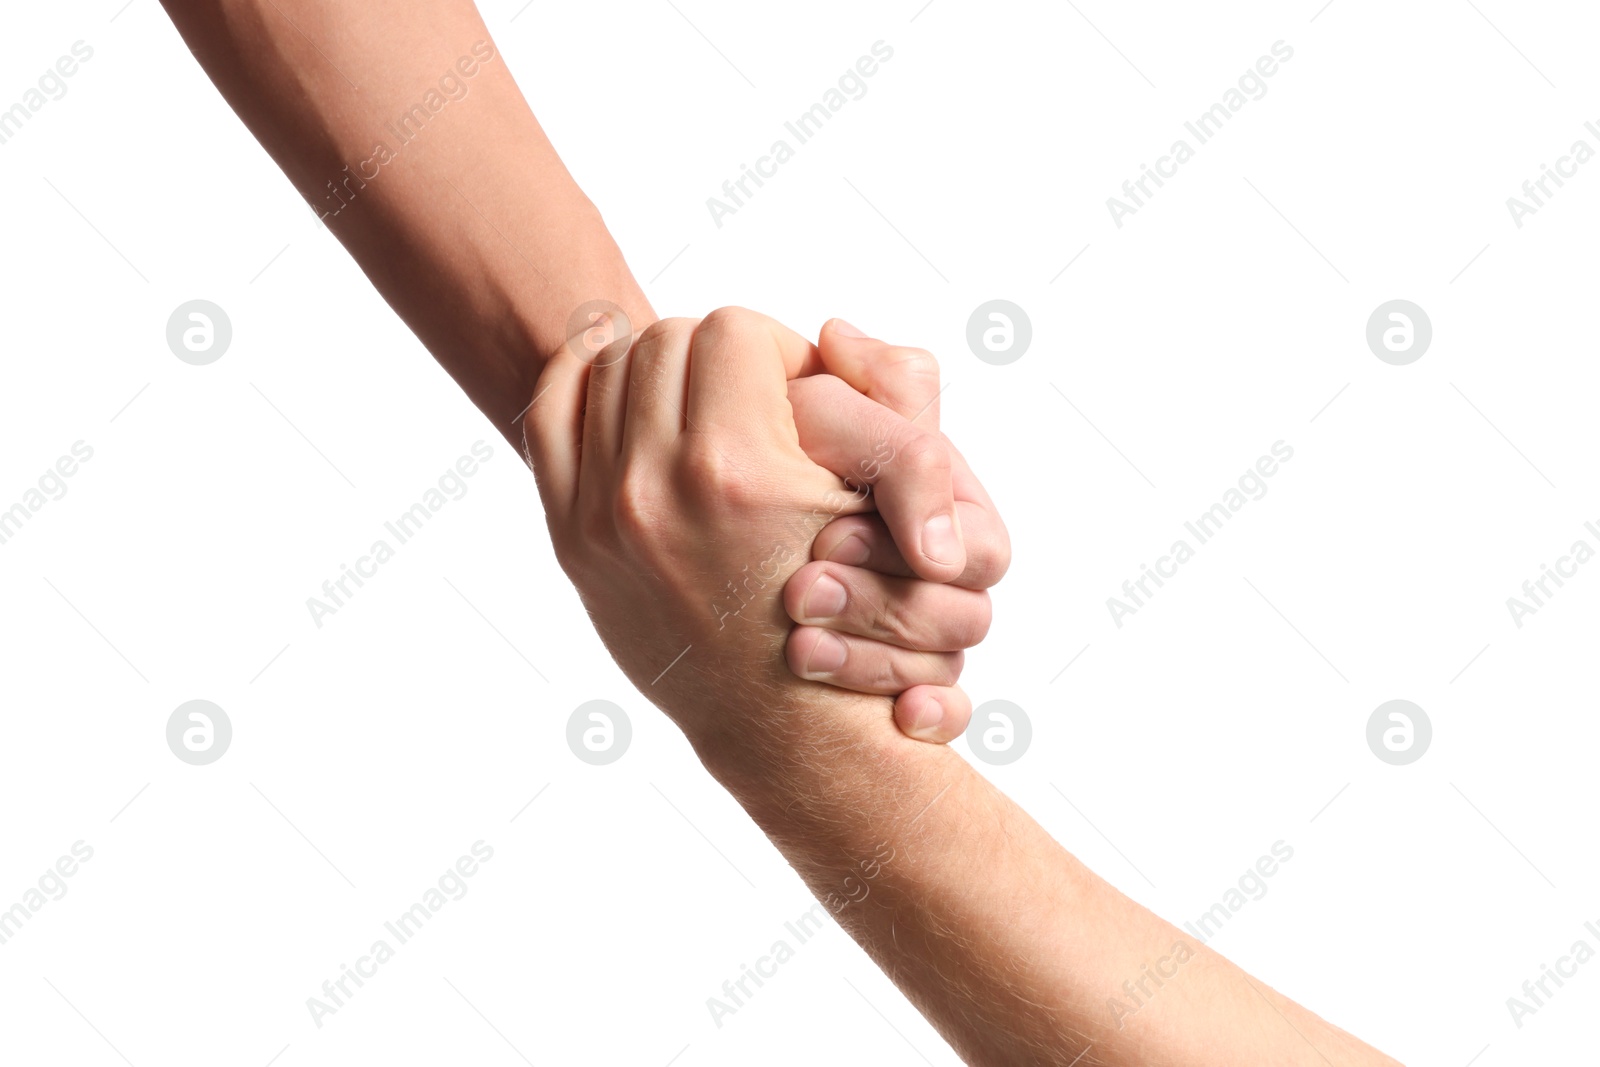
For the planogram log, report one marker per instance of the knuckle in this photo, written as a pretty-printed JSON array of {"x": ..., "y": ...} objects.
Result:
[
  {"x": 900, "y": 620},
  {"x": 652, "y": 343},
  {"x": 989, "y": 556},
  {"x": 914, "y": 367},
  {"x": 703, "y": 464},
  {"x": 1000, "y": 562},
  {"x": 881, "y": 672},
  {"x": 977, "y": 620},
  {"x": 636, "y": 507},
  {"x": 906, "y": 669},
  {"x": 593, "y": 530},
  {"x": 725, "y": 321},
  {"x": 715, "y": 480},
  {"x": 922, "y": 453},
  {"x": 722, "y": 316},
  {"x": 662, "y": 331},
  {"x": 936, "y": 618}
]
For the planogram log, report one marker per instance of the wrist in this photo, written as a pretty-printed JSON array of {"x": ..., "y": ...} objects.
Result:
[
  {"x": 806, "y": 762},
  {"x": 517, "y": 316}
]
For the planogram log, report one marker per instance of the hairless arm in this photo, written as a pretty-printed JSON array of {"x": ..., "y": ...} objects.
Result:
[{"x": 402, "y": 127}]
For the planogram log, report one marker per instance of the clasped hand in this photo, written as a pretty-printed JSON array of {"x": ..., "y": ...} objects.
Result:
[{"x": 749, "y": 517}]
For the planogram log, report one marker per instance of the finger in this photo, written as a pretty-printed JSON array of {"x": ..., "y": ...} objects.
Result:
[
  {"x": 864, "y": 665},
  {"x": 906, "y": 612},
  {"x": 658, "y": 386},
  {"x": 909, "y": 469},
  {"x": 904, "y": 380},
  {"x": 934, "y": 713},
  {"x": 605, "y": 407},
  {"x": 552, "y": 430},
  {"x": 861, "y": 541},
  {"x": 739, "y": 363},
  {"x": 864, "y": 541},
  {"x": 973, "y": 503}
]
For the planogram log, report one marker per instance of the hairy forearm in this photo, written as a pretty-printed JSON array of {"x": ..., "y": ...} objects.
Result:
[
  {"x": 1013, "y": 949},
  {"x": 403, "y": 129}
]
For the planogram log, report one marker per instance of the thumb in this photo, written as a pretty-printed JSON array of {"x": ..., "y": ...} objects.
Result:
[
  {"x": 909, "y": 469},
  {"x": 904, "y": 380}
]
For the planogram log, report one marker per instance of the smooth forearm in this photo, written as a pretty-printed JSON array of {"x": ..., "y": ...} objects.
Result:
[{"x": 403, "y": 129}]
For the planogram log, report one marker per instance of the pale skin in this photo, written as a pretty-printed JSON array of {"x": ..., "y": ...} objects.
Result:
[{"x": 691, "y": 453}]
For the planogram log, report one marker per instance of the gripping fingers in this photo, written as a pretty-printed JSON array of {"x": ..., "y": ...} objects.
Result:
[
  {"x": 552, "y": 432},
  {"x": 864, "y": 665},
  {"x": 864, "y": 541},
  {"x": 909, "y": 469},
  {"x": 909, "y": 613},
  {"x": 934, "y": 713}
]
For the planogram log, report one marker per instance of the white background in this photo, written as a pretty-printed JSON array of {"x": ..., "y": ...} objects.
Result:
[{"x": 1226, "y": 715}]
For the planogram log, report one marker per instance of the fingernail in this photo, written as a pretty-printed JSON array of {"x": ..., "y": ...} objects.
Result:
[
  {"x": 844, "y": 329},
  {"x": 827, "y": 655},
  {"x": 825, "y": 599},
  {"x": 926, "y": 719},
  {"x": 851, "y": 552},
  {"x": 940, "y": 540}
]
